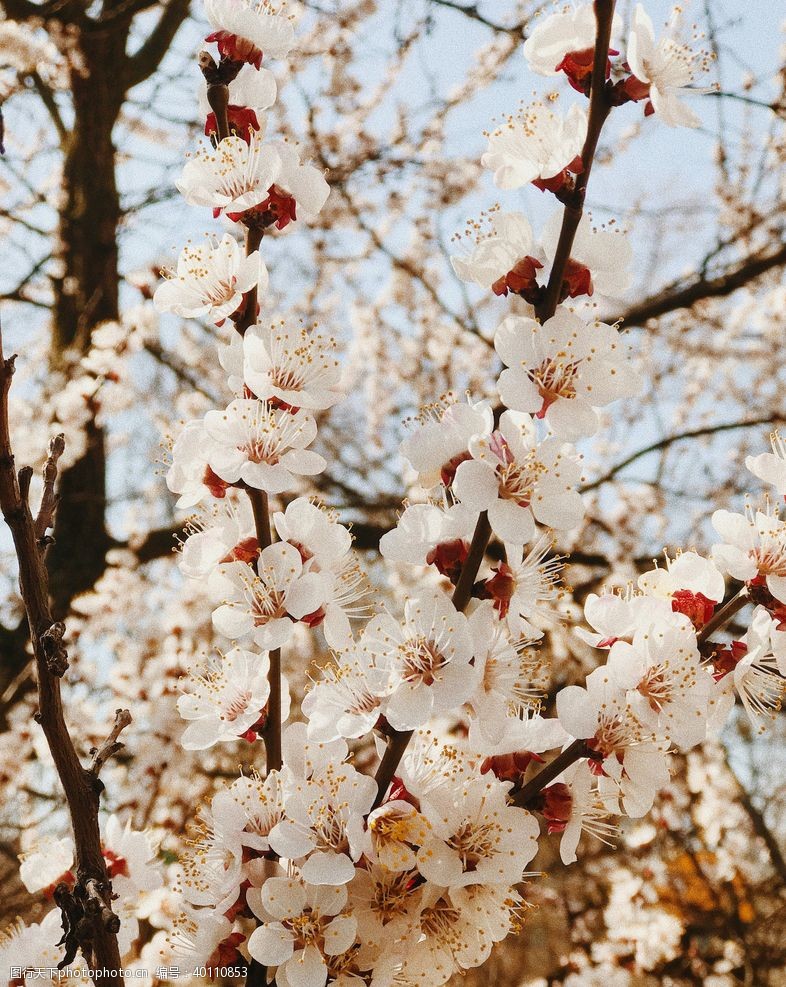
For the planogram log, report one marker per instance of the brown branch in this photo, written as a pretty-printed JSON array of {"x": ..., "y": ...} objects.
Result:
[
  {"x": 89, "y": 923},
  {"x": 572, "y": 753},
  {"x": 724, "y": 615},
  {"x": 146, "y": 60},
  {"x": 669, "y": 440},
  {"x": 672, "y": 298},
  {"x": 600, "y": 107}
]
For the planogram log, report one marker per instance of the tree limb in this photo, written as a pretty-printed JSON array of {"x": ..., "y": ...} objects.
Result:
[
  {"x": 146, "y": 60},
  {"x": 89, "y": 922}
]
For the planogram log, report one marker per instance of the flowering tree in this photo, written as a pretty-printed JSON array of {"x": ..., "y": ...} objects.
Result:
[{"x": 404, "y": 861}]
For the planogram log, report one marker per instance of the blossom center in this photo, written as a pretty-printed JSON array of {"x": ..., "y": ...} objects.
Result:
[
  {"x": 554, "y": 378},
  {"x": 420, "y": 659}
]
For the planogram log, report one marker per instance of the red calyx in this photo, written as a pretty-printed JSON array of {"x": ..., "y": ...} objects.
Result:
[
  {"x": 314, "y": 619},
  {"x": 68, "y": 878},
  {"x": 214, "y": 483},
  {"x": 509, "y": 767},
  {"x": 577, "y": 66},
  {"x": 448, "y": 471},
  {"x": 236, "y": 49},
  {"x": 557, "y": 182},
  {"x": 226, "y": 954},
  {"x": 246, "y": 550},
  {"x": 449, "y": 557},
  {"x": 400, "y": 793},
  {"x": 726, "y": 658},
  {"x": 577, "y": 280},
  {"x": 557, "y": 804},
  {"x": 696, "y": 606},
  {"x": 242, "y": 122},
  {"x": 279, "y": 209},
  {"x": 254, "y": 732},
  {"x": 114, "y": 864},
  {"x": 520, "y": 279},
  {"x": 499, "y": 588}
]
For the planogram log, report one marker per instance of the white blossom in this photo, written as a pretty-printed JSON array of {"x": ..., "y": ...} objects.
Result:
[
  {"x": 536, "y": 145},
  {"x": 518, "y": 480},
  {"x": 261, "y": 445},
  {"x": 562, "y": 370},
  {"x": 211, "y": 279},
  {"x": 291, "y": 364}
]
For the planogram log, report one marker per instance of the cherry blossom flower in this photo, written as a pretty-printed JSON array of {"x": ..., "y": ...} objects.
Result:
[
  {"x": 524, "y": 588},
  {"x": 211, "y": 279},
  {"x": 572, "y": 806},
  {"x": 509, "y": 674},
  {"x": 600, "y": 260},
  {"x": 198, "y": 941},
  {"x": 386, "y": 904},
  {"x": 224, "y": 533},
  {"x": 753, "y": 549},
  {"x": 257, "y": 806},
  {"x": 751, "y": 669},
  {"x": 291, "y": 366},
  {"x": 225, "y": 702},
  {"x": 663, "y": 72},
  {"x": 565, "y": 42},
  {"x": 519, "y": 481},
  {"x": 429, "y": 534},
  {"x": 771, "y": 466},
  {"x": 692, "y": 584},
  {"x": 131, "y": 858},
  {"x": 394, "y": 833},
  {"x": 346, "y": 597},
  {"x": 537, "y": 145},
  {"x": 523, "y": 737},
  {"x": 301, "y": 927},
  {"x": 428, "y": 656},
  {"x": 323, "y": 821},
  {"x": 315, "y": 532},
  {"x": 212, "y": 873},
  {"x": 33, "y": 949},
  {"x": 616, "y": 616},
  {"x": 633, "y": 767},
  {"x": 47, "y": 864},
  {"x": 262, "y": 446},
  {"x": 264, "y": 604},
  {"x": 189, "y": 474},
  {"x": 448, "y": 936},
  {"x": 299, "y": 193},
  {"x": 245, "y": 30},
  {"x": 562, "y": 370},
  {"x": 442, "y": 440},
  {"x": 234, "y": 177},
  {"x": 668, "y": 689},
  {"x": 475, "y": 837},
  {"x": 502, "y": 257},
  {"x": 347, "y": 698}
]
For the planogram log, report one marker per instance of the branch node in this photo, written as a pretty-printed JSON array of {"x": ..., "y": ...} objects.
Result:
[
  {"x": 25, "y": 475},
  {"x": 109, "y": 748},
  {"x": 45, "y": 517},
  {"x": 54, "y": 650}
]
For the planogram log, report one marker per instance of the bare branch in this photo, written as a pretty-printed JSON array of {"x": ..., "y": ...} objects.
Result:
[
  {"x": 89, "y": 922},
  {"x": 147, "y": 59}
]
